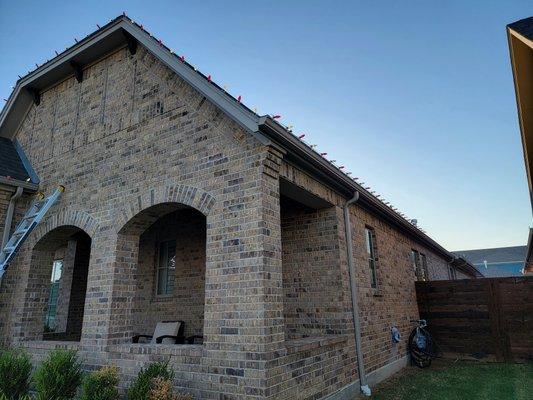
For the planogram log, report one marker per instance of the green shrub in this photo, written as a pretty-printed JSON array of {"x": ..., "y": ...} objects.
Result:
[
  {"x": 23, "y": 397},
  {"x": 141, "y": 387},
  {"x": 15, "y": 373},
  {"x": 101, "y": 385},
  {"x": 59, "y": 376}
]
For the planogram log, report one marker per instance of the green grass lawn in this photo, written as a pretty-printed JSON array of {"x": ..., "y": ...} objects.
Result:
[{"x": 446, "y": 380}]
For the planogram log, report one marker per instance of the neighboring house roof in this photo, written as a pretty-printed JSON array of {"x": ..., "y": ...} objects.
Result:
[
  {"x": 501, "y": 270},
  {"x": 497, "y": 262},
  {"x": 121, "y": 32}
]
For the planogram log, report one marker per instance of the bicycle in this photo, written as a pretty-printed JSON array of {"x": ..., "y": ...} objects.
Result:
[{"x": 422, "y": 349}]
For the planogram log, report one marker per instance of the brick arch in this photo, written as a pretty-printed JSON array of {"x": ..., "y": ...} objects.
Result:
[
  {"x": 189, "y": 196},
  {"x": 77, "y": 218},
  {"x": 54, "y": 232}
]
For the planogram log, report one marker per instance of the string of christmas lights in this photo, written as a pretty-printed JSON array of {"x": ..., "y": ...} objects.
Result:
[{"x": 224, "y": 88}]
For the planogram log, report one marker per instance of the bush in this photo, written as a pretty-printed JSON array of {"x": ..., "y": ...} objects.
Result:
[
  {"x": 141, "y": 387},
  {"x": 101, "y": 385},
  {"x": 59, "y": 376},
  {"x": 23, "y": 397},
  {"x": 162, "y": 390},
  {"x": 15, "y": 373}
]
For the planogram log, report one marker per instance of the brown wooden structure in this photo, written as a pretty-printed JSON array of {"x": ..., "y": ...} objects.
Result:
[{"x": 490, "y": 318}]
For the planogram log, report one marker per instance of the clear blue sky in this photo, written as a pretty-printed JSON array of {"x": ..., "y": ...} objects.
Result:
[{"x": 414, "y": 97}]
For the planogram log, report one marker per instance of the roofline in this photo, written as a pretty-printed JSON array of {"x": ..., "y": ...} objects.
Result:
[
  {"x": 34, "y": 178},
  {"x": 265, "y": 128},
  {"x": 236, "y": 110},
  {"x": 303, "y": 156},
  {"x": 465, "y": 266}
]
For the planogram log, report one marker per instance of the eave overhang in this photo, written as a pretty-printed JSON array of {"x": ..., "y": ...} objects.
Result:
[
  {"x": 464, "y": 266},
  {"x": 11, "y": 184},
  {"x": 520, "y": 39},
  {"x": 304, "y": 157}
]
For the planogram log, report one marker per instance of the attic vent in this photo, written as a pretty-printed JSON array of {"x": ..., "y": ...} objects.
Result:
[{"x": 414, "y": 222}]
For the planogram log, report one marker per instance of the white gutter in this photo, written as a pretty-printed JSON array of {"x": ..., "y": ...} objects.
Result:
[{"x": 365, "y": 389}]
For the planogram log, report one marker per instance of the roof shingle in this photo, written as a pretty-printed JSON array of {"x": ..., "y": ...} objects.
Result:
[
  {"x": 11, "y": 164},
  {"x": 524, "y": 27}
]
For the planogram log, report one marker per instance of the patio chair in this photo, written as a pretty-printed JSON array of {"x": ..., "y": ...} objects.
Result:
[
  {"x": 195, "y": 339},
  {"x": 166, "y": 332}
]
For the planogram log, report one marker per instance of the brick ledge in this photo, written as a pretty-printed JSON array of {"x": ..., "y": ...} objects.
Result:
[
  {"x": 162, "y": 349},
  {"x": 309, "y": 343},
  {"x": 49, "y": 344}
]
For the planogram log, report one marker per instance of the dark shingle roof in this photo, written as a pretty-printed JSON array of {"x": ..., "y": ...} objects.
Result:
[
  {"x": 500, "y": 261},
  {"x": 10, "y": 162},
  {"x": 495, "y": 255},
  {"x": 523, "y": 27}
]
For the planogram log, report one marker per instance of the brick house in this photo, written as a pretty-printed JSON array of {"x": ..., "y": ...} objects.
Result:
[{"x": 183, "y": 204}]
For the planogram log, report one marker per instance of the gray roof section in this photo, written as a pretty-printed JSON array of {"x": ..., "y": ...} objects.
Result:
[
  {"x": 500, "y": 262},
  {"x": 500, "y": 270},
  {"x": 11, "y": 164},
  {"x": 495, "y": 255},
  {"x": 524, "y": 27}
]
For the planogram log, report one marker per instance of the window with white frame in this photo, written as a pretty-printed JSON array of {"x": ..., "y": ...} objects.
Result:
[
  {"x": 370, "y": 239},
  {"x": 166, "y": 268},
  {"x": 53, "y": 297}
]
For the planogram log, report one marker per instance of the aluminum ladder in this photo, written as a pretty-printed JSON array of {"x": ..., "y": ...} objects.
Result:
[{"x": 33, "y": 216}]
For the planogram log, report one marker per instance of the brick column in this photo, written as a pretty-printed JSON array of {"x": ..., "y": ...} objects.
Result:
[
  {"x": 97, "y": 310},
  {"x": 243, "y": 326}
]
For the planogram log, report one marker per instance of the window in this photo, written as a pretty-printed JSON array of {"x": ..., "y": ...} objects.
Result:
[
  {"x": 415, "y": 260},
  {"x": 424, "y": 267},
  {"x": 420, "y": 265},
  {"x": 166, "y": 268},
  {"x": 51, "y": 310},
  {"x": 370, "y": 237}
]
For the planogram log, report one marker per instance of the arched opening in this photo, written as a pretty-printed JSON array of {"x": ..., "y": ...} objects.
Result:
[
  {"x": 57, "y": 285},
  {"x": 167, "y": 248}
]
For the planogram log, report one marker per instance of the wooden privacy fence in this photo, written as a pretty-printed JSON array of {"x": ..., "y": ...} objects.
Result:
[{"x": 488, "y": 318}]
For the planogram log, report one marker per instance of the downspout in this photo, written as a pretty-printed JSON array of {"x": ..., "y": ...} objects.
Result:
[
  {"x": 365, "y": 390},
  {"x": 9, "y": 215}
]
